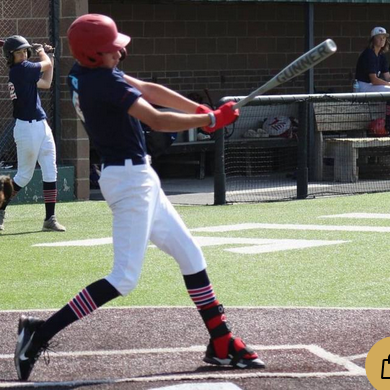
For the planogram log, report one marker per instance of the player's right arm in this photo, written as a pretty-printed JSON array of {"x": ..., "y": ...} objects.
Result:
[
  {"x": 166, "y": 121},
  {"x": 47, "y": 67}
]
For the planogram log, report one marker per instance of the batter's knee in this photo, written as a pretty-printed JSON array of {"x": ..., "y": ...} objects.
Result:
[
  {"x": 125, "y": 284},
  {"x": 22, "y": 179},
  {"x": 49, "y": 177}
]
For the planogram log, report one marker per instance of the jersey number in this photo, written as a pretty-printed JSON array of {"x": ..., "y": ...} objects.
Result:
[
  {"x": 12, "y": 92},
  {"x": 76, "y": 104}
]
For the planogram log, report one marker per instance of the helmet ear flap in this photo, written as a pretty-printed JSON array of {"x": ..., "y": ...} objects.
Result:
[
  {"x": 29, "y": 52},
  {"x": 10, "y": 58}
]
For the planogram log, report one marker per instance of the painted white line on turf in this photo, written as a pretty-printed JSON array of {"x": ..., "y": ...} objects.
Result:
[
  {"x": 120, "y": 352},
  {"x": 312, "y": 348},
  {"x": 262, "y": 245},
  {"x": 355, "y": 357},
  {"x": 203, "y": 386},
  {"x": 257, "y": 245},
  {"x": 89, "y": 242},
  {"x": 149, "y": 351},
  {"x": 183, "y": 377},
  {"x": 358, "y": 216},
  {"x": 278, "y": 226},
  {"x": 333, "y": 358},
  {"x": 23, "y": 311}
]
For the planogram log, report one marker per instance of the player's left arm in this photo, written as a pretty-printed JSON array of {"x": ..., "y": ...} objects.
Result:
[{"x": 161, "y": 96}]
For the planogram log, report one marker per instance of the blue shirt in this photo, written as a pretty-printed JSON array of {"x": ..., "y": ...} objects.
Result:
[
  {"x": 22, "y": 84},
  {"x": 368, "y": 63},
  {"x": 102, "y": 98}
]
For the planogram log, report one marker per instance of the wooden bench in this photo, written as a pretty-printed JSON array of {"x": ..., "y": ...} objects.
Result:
[{"x": 341, "y": 137}]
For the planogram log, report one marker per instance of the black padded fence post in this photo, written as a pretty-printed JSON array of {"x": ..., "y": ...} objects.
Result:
[
  {"x": 219, "y": 172},
  {"x": 302, "y": 174}
]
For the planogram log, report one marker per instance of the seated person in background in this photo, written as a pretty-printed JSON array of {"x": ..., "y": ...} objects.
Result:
[{"x": 372, "y": 69}]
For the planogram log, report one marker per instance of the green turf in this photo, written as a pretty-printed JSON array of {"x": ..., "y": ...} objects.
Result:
[{"x": 355, "y": 274}]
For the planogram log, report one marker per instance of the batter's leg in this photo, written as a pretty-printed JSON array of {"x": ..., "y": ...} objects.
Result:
[{"x": 28, "y": 138}]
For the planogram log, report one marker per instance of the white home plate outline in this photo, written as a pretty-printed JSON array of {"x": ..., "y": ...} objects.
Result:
[{"x": 350, "y": 368}]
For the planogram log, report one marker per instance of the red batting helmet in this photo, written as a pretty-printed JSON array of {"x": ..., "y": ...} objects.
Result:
[{"x": 93, "y": 34}]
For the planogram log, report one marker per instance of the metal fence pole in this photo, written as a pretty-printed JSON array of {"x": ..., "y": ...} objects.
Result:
[{"x": 302, "y": 174}]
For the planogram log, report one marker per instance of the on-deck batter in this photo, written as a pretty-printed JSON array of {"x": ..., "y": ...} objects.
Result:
[
  {"x": 32, "y": 134},
  {"x": 111, "y": 106}
]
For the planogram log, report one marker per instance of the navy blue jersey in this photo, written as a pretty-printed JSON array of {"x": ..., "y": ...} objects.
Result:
[
  {"x": 102, "y": 98},
  {"x": 23, "y": 78},
  {"x": 368, "y": 63}
]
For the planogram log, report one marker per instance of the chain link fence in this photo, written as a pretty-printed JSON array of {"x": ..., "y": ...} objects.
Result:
[
  {"x": 33, "y": 20},
  {"x": 346, "y": 151}
]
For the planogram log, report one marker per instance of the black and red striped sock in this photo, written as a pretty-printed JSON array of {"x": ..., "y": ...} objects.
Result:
[
  {"x": 84, "y": 303},
  {"x": 202, "y": 294},
  {"x": 213, "y": 315},
  {"x": 50, "y": 198}
]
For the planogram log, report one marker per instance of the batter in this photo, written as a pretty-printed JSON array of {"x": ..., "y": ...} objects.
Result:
[{"x": 111, "y": 105}]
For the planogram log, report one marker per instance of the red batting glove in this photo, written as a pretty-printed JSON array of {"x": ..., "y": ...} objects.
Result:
[
  {"x": 224, "y": 116},
  {"x": 202, "y": 109}
]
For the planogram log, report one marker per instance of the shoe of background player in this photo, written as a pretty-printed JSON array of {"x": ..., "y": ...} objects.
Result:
[
  {"x": 53, "y": 225},
  {"x": 27, "y": 352},
  {"x": 2, "y": 217},
  {"x": 239, "y": 355}
]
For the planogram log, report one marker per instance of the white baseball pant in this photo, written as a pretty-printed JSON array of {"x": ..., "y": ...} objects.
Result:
[
  {"x": 368, "y": 87},
  {"x": 34, "y": 142},
  {"x": 142, "y": 212}
]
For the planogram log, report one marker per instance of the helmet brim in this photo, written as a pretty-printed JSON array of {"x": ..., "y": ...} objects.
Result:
[
  {"x": 24, "y": 46},
  {"x": 120, "y": 42}
]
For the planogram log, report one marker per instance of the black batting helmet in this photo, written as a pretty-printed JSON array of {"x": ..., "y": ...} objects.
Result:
[{"x": 13, "y": 43}]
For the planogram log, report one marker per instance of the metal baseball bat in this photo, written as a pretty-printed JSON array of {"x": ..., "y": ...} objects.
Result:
[{"x": 297, "y": 67}]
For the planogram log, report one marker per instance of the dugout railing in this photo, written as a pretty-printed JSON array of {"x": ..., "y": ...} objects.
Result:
[{"x": 344, "y": 149}]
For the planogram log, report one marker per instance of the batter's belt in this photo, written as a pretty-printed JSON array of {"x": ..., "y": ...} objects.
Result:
[{"x": 122, "y": 162}]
